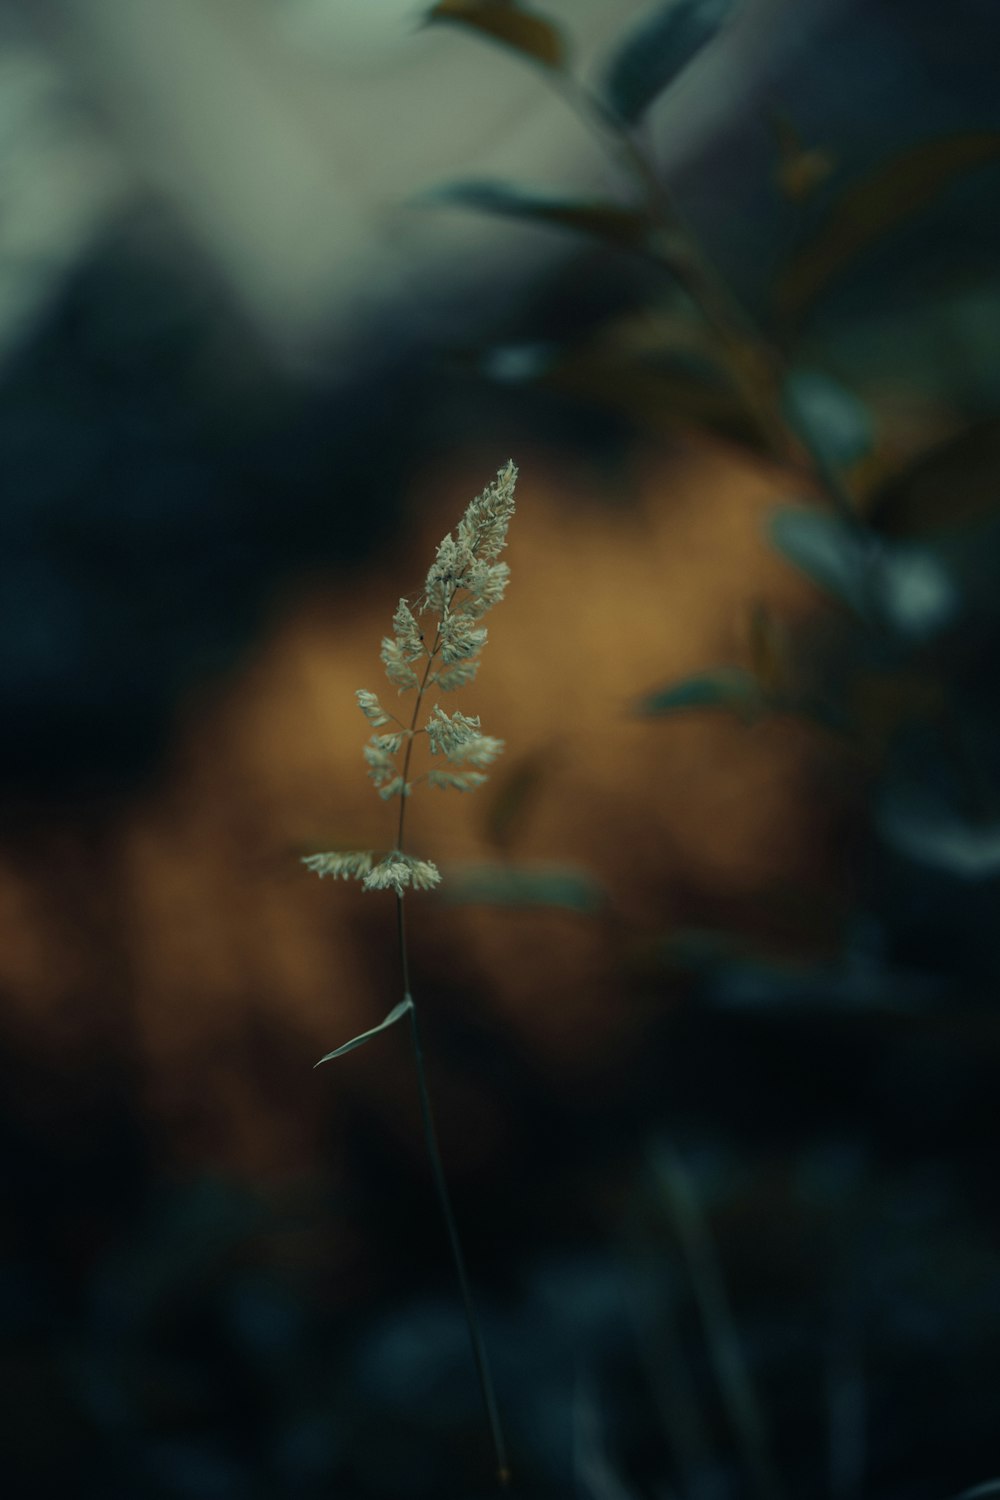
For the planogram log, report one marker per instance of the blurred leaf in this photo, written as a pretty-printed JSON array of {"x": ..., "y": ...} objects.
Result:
[
  {"x": 744, "y": 694},
  {"x": 560, "y": 886},
  {"x": 980, "y": 1491},
  {"x": 770, "y": 649},
  {"x": 828, "y": 550},
  {"x": 517, "y": 364},
  {"x": 800, "y": 175},
  {"x": 914, "y": 591},
  {"x": 396, "y": 1014},
  {"x": 653, "y": 340},
  {"x": 523, "y": 30},
  {"x": 727, "y": 687},
  {"x": 800, "y": 170},
  {"x": 513, "y": 793},
  {"x": 920, "y": 824},
  {"x": 904, "y": 588},
  {"x": 621, "y": 227},
  {"x": 657, "y": 50},
  {"x": 659, "y": 372},
  {"x": 830, "y": 419},
  {"x": 870, "y": 208},
  {"x": 655, "y": 397},
  {"x": 654, "y": 333},
  {"x": 734, "y": 980},
  {"x": 953, "y": 485},
  {"x": 723, "y": 1343}
]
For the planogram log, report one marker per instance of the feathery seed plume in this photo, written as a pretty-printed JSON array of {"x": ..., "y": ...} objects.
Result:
[{"x": 463, "y": 583}]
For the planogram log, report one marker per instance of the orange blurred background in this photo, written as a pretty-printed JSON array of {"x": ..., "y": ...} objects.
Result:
[{"x": 179, "y": 927}]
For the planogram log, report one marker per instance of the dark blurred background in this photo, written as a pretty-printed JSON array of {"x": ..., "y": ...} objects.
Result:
[{"x": 709, "y": 991}]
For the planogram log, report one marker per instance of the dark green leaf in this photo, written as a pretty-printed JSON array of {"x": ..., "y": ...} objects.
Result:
[
  {"x": 524, "y": 30},
  {"x": 657, "y": 50},
  {"x": 560, "y": 886},
  {"x": 770, "y": 642},
  {"x": 656, "y": 399},
  {"x": 727, "y": 687},
  {"x": 830, "y": 419},
  {"x": 980, "y": 1491},
  {"x": 907, "y": 589},
  {"x": 922, "y": 825},
  {"x": 827, "y": 549},
  {"x": 605, "y": 221},
  {"x": 866, "y": 211},
  {"x": 396, "y": 1014},
  {"x": 621, "y": 369},
  {"x": 723, "y": 1341},
  {"x": 517, "y": 364}
]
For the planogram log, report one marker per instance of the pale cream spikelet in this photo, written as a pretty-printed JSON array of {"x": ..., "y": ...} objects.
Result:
[
  {"x": 463, "y": 583},
  {"x": 371, "y": 708},
  {"x": 350, "y": 866}
]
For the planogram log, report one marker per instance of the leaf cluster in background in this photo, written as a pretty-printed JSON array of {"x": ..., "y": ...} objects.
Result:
[
  {"x": 658, "y": 50},
  {"x": 877, "y": 554}
]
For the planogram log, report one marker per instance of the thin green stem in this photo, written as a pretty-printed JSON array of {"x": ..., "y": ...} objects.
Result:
[
  {"x": 409, "y": 749},
  {"x": 722, "y": 1342},
  {"x": 430, "y": 1133},
  {"x": 444, "y": 1200},
  {"x": 404, "y": 956}
]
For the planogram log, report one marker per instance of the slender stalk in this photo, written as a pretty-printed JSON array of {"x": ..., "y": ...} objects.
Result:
[
  {"x": 467, "y": 565},
  {"x": 430, "y": 1133},
  {"x": 757, "y": 368},
  {"x": 712, "y": 1300}
]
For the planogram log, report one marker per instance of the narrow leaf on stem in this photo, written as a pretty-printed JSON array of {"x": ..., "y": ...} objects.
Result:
[
  {"x": 868, "y": 209},
  {"x": 725, "y": 687},
  {"x": 610, "y": 222},
  {"x": 657, "y": 50},
  {"x": 396, "y": 1014},
  {"x": 524, "y": 30}
]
